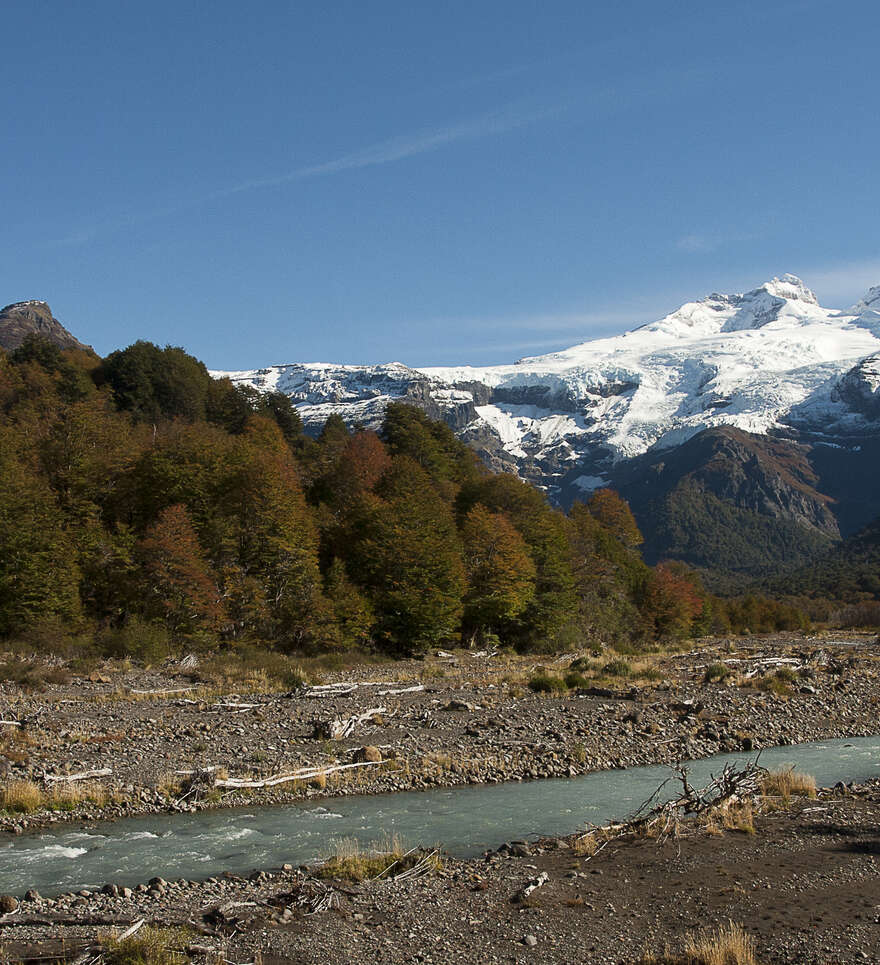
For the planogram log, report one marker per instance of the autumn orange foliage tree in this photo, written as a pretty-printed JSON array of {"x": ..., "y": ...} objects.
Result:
[{"x": 181, "y": 590}]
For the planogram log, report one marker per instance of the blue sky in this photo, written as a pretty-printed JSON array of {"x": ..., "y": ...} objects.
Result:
[{"x": 430, "y": 183}]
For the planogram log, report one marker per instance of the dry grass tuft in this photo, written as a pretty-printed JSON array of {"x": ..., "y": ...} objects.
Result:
[
  {"x": 352, "y": 862},
  {"x": 26, "y": 796},
  {"x": 733, "y": 816},
  {"x": 587, "y": 844},
  {"x": 148, "y": 946},
  {"x": 728, "y": 944},
  {"x": 170, "y": 784},
  {"x": 66, "y": 797},
  {"x": 21, "y": 796},
  {"x": 787, "y": 784}
]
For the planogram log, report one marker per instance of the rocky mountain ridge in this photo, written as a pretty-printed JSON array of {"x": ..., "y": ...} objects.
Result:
[{"x": 34, "y": 317}]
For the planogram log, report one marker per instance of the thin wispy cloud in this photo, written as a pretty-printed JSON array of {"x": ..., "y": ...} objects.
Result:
[
  {"x": 700, "y": 242},
  {"x": 406, "y": 146},
  {"x": 391, "y": 150}
]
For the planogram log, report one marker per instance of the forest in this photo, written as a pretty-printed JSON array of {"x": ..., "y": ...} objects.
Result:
[{"x": 150, "y": 509}]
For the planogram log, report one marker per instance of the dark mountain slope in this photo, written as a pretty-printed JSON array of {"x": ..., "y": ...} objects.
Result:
[
  {"x": 849, "y": 572},
  {"x": 21, "y": 319},
  {"x": 733, "y": 504}
]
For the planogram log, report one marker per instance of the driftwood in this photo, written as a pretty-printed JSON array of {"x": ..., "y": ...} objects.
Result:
[
  {"x": 404, "y": 690},
  {"x": 731, "y": 786},
  {"x": 303, "y": 774},
  {"x": 10, "y": 723},
  {"x": 533, "y": 885},
  {"x": 340, "y": 729},
  {"x": 161, "y": 693},
  {"x": 81, "y": 776},
  {"x": 330, "y": 690},
  {"x": 130, "y": 931},
  {"x": 422, "y": 867},
  {"x": 18, "y": 920}
]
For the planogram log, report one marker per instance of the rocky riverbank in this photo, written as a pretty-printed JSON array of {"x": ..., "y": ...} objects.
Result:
[
  {"x": 452, "y": 719},
  {"x": 804, "y": 885}
]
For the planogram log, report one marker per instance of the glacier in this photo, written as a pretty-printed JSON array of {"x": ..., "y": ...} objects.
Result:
[{"x": 771, "y": 359}]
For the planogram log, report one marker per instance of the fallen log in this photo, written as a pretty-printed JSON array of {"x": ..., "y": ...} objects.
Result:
[
  {"x": 130, "y": 931},
  {"x": 532, "y": 885},
  {"x": 161, "y": 693},
  {"x": 403, "y": 690},
  {"x": 340, "y": 729},
  {"x": 732, "y": 786},
  {"x": 330, "y": 690},
  {"x": 80, "y": 776},
  {"x": 304, "y": 774}
]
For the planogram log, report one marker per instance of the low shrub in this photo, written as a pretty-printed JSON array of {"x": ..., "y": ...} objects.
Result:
[
  {"x": 21, "y": 797},
  {"x": 716, "y": 673},
  {"x": 146, "y": 642},
  {"x": 545, "y": 683},
  {"x": 573, "y": 679},
  {"x": 617, "y": 668},
  {"x": 31, "y": 674},
  {"x": 354, "y": 863},
  {"x": 251, "y": 668}
]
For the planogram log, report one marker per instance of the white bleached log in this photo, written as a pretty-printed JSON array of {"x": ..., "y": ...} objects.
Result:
[
  {"x": 161, "y": 693},
  {"x": 130, "y": 931},
  {"x": 340, "y": 729},
  {"x": 534, "y": 884},
  {"x": 330, "y": 690},
  {"x": 403, "y": 690},
  {"x": 303, "y": 774},
  {"x": 80, "y": 776}
]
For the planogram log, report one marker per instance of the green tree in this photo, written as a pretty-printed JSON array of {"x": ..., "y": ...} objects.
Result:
[
  {"x": 552, "y": 610},
  {"x": 354, "y": 617},
  {"x": 39, "y": 575},
  {"x": 272, "y": 537},
  {"x": 433, "y": 445},
  {"x": 500, "y": 573},
  {"x": 406, "y": 553},
  {"x": 154, "y": 383},
  {"x": 614, "y": 514},
  {"x": 608, "y": 576}
]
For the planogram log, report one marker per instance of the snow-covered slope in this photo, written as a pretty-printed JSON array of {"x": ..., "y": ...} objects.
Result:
[{"x": 767, "y": 359}]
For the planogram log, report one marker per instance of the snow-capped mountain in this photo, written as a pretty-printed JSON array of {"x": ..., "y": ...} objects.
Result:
[{"x": 769, "y": 360}]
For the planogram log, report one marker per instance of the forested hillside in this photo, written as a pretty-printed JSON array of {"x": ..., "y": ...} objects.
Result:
[
  {"x": 738, "y": 507},
  {"x": 149, "y": 507},
  {"x": 850, "y": 573}
]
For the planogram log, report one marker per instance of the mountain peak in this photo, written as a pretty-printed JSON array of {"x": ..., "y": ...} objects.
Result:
[
  {"x": 789, "y": 286},
  {"x": 34, "y": 317},
  {"x": 869, "y": 302}
]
